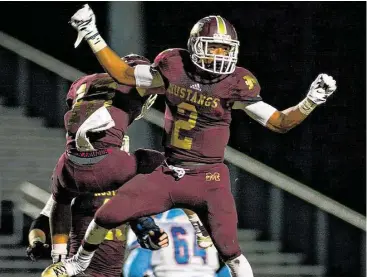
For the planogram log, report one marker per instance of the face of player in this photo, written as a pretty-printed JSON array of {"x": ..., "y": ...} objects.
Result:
[{"x": 217, "y": 49}]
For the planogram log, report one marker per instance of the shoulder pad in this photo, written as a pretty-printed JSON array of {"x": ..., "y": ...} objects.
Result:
[
  {"x": 72, "y": 90},
  {"x": 87, "y": 80},
  {"x": 168, "y": 53},
  {"x": 246, "y": 80},
  {"x": 247, "y": 87}
]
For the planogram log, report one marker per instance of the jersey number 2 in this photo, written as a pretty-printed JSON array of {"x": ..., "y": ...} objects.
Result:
[
  {"x": 182, "y": 249},
  {"x": 185, "y": 142}
]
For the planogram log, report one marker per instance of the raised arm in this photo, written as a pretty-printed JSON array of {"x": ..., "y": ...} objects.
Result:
[
  {"x": 282, "y": 121},
  {"x": 84, "y": 22},
  {"x": 116, "y": 67}
]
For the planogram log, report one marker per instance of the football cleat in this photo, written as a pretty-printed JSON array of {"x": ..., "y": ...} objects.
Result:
[
  {"x": 204, "y": 241},
  {"x": 55, "y": 270}
]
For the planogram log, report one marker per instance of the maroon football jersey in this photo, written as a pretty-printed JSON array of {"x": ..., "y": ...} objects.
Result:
[
  {"x": 110, "y": 254},
  {"x": 91, "y": 92},
  {"x": 198, "y": 106}
]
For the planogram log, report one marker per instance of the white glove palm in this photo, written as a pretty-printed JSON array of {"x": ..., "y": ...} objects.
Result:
[
  {"x": 84, "y": 21},
  {"x": 320, "y": 89}
]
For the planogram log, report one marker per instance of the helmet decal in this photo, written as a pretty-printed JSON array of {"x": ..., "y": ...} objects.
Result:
[
  {"x": 197, "y": 28},
  {"x": 222, "y": 29}
]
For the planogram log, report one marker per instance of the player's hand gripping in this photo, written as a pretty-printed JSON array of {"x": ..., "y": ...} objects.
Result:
[
  {"x": 149, "y": 235},
  {"x": 84, "y": 21},
  {"x": 37, "y": 250},
  {"x": 320, "y": 89},
  {"x": 154, "y": 240}
]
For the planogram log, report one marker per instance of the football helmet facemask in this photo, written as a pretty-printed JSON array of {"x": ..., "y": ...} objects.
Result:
[{"x": 209, "y": 31}]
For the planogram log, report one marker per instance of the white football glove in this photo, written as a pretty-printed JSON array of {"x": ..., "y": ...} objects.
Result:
[
  {"x": 84, "y": 21},
  {"x": 320, "y": 89}
]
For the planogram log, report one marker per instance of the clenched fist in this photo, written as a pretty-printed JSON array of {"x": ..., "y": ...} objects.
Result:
[
  {"x": 84, "y": 21},
  {"x": 320, "y": 89}
]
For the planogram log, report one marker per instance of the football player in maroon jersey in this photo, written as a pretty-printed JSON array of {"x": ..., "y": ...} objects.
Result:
[
  {"x": 93, "y": 166},
  {"x": 202, "y": 85}
]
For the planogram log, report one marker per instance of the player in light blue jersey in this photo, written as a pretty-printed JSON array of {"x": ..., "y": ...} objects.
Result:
[{"x": 182, "y": 258}]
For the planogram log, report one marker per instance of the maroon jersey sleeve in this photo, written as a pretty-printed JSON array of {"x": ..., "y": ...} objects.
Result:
[
  {"x": 247, "y": 87},
  {"x": 161, "y": 62}
]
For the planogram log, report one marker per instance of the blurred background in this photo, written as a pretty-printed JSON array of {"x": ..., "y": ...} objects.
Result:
[{"x": 284, "y": 44}]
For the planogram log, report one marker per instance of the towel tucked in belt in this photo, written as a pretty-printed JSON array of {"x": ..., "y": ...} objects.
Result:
[{"x": 100, "y": 120}]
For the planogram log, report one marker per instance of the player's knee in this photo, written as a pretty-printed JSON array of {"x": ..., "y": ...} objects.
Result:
[
  {"x": 107, "y": 219},
  {"x": 228, "y": 247}
]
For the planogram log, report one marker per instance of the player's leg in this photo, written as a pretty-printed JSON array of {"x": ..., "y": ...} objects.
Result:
[
  {"x": 220, "y": 218},
  {"x": 142, "y": 196},
  {"x": 102, "y": 173},
  {"x": 59, "y": 211},
  {"x": 223, "y": 231},
  {"x": 109, "y": 255},
  {"x": 113, "y": 169}
]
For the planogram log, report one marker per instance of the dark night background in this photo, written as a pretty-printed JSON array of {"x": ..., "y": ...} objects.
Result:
[{"x": 285, "y": 45}]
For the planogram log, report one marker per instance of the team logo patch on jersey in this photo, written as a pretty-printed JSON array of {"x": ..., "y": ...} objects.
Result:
[
  {"x": 250, "y": 81},
  {"x": 212, "y": 176}
]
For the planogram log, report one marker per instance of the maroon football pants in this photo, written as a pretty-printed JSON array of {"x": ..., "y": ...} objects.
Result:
[
  {"x": 205, "y": 190},
  {"x": 70, "y": 179},
  {"x": 107, "y": 260}
]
